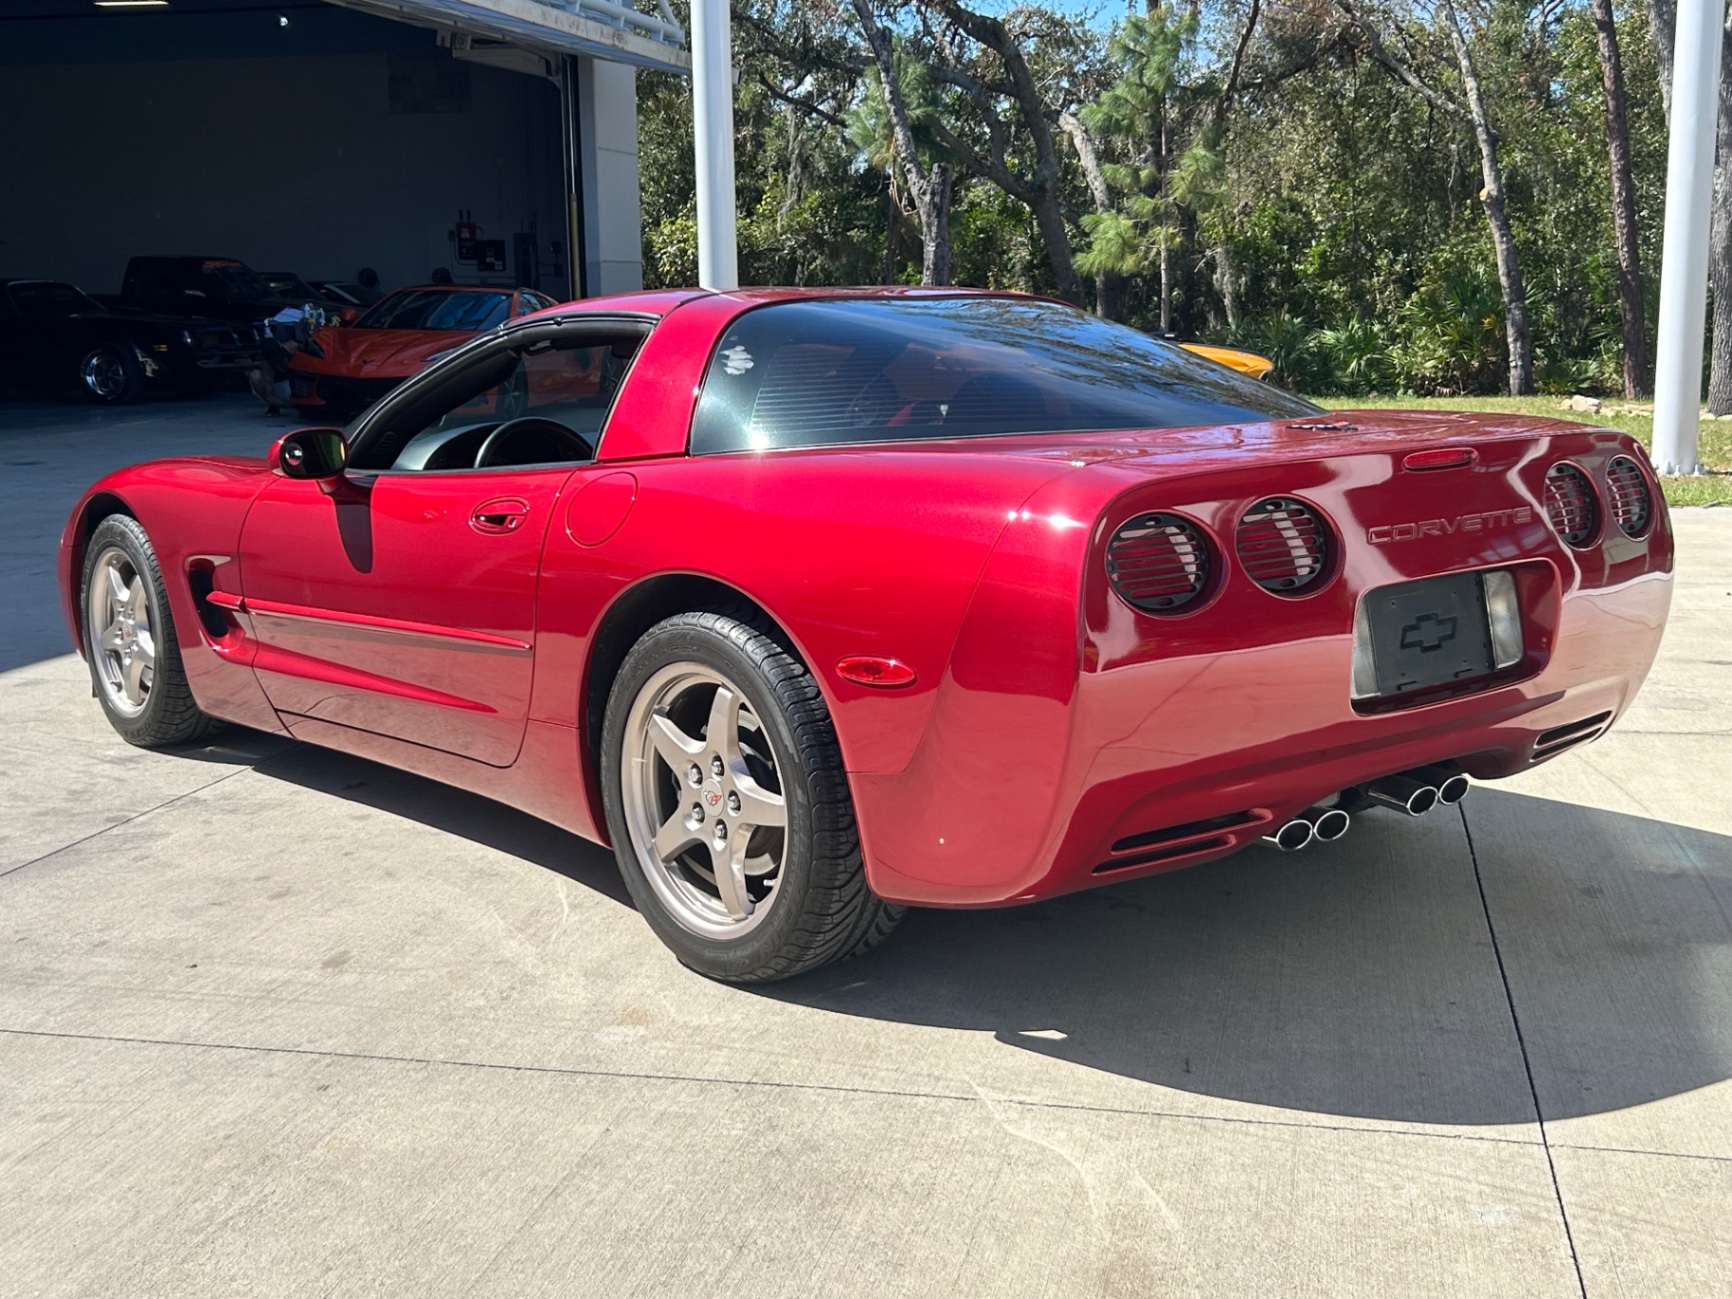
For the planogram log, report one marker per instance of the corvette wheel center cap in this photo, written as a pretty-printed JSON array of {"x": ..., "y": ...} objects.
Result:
[{"x": 711, "y": 795}]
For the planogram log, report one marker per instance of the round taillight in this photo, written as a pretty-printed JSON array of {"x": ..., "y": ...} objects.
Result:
[
  {"x": 1632, "y": 503},
  {"x": 1158, "y": 563},
  {"x": 1283, "y": 546},
  {"x": 1570, "y": 502}
]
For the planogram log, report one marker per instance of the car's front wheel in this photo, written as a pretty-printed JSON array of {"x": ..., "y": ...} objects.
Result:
[
  {"x": 130, "y": 644},
  {"x": 109, "y": 373},
  {"x": 728, "y": 804}
]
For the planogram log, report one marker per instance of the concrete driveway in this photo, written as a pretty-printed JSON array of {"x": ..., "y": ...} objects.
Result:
[{"x": 275, "y": 1021}]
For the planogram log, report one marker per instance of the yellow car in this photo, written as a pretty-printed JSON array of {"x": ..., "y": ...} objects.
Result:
[{"x": 1233, "y": 358}]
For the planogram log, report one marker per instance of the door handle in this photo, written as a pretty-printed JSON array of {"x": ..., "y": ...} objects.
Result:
[{"x": 500, "y": 516}]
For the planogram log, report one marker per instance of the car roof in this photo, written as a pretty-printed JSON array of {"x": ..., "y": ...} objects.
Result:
[{"x": 659, "y": 302}]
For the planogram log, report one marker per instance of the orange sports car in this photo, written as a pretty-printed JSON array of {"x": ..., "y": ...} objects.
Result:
[
  {"x": 341, "y": 372},
  {"x": 1234, "y": 358}
]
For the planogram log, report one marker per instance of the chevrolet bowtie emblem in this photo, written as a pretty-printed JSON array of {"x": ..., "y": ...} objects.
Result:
[{"x": 1428, "y": 632}]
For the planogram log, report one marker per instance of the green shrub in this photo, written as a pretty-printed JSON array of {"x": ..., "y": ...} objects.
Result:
[
  {"x": 1292, "y": 345},
  {"x": 1359, "y": 357}
]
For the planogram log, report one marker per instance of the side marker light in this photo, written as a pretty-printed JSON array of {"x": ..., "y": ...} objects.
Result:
[{"x": 872, "y": 670}]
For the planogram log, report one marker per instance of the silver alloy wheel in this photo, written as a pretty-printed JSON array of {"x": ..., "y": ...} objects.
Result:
[
  {"x": 702, "y": 795},
  {"x": 104, "y": 373},
  {"x": 123, "y": 641}
]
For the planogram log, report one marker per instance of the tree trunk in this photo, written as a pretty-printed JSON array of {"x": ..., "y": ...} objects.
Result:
[
  {"x": 1055, "y": 234},
  {"x": 1517, "y": 332},
  {"x": 1166, "y": 285},
  {"x": 1632, "y": 305},
  {"x": 1662, "y": 27},
  {"x": 892, "y": 218},
  {"x": 933, "y": 199},
  {"x": 1109, "y": 285},
  {"x": 1720, "y": 252},
  {"x": 928, "y": 187},
  {"x": 1225, "y": 283}
]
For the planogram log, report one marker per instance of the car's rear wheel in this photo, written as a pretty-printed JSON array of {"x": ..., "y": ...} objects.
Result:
[
  {"x": 109, "y": 374},
  {"x": 129, "y": 641},
  {"x": 729, "y": 807}
]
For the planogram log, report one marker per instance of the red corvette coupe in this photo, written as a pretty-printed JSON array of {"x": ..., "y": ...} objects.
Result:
[
  {"x": 344, "y": 370},
  {"x": 819, "y": 604}
]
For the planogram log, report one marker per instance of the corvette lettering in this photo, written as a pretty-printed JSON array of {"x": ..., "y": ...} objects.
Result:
[{"x": 1482, "y": 522}]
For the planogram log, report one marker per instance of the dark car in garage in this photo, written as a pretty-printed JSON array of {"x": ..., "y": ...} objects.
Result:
[
  {"x": 54, "y": 336},
  {"x": 307, "y": 294},
  {"x": 223, "y": 288}
]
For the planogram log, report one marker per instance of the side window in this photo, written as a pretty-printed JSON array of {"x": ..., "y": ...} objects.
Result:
[
  {"x": 536, "y": 402},
  {"x": 155, "y": 280}
]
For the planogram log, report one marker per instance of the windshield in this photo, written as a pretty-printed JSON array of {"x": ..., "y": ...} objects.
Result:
[
  {"x": 869, "y": 370},
  {"x": 288, "y": 284},
  {"x": 48, "y": 298},
  {"x": 437, "y": 309},
  {"x": 233, "y": 280}
]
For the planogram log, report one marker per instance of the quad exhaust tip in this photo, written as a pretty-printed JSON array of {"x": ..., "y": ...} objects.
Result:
[
  {"x": 1452, "y": 785},
  {"x": 1327, "y": 823},
  {"x": 1314, "y": 824},
  {"x": 1404, "y": 794},
  {"x": 1292, "y": 836}
]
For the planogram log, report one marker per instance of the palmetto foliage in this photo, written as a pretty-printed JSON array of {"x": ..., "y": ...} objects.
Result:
[{"x": 1360, "y": 357}]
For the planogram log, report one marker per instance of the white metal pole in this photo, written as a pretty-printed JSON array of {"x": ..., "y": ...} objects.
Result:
[
  {"x": 713, "y": 127},
  {"x": 1684, "y": 257}
]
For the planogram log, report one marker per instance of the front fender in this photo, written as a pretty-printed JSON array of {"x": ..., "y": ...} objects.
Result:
[{"x": 192, "y": 510}]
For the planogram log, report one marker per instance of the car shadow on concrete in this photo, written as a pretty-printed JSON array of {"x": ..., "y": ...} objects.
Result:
[
  {"x": 448, "y": 809},
  {"x": 1362, "y": 980}
]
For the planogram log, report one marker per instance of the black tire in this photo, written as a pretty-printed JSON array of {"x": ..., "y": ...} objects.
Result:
[
  {"x": 109, "y": 375},
  {"x": 169, "y": 715},
  {"x": 823, "y": 910}
]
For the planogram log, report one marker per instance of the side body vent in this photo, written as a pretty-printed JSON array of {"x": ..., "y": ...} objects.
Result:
[
  {"x": 1283, "y": 546},
  {"x": 1570, "y": 502},
  {"x": 1632, "y": 504},
  {"x": 1158, "y": 563}
]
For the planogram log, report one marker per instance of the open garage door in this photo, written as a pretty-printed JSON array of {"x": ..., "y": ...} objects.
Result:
[{"x": 492, "y": 142}]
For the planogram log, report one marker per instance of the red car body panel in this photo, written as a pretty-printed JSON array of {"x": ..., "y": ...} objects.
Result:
[{"x": 1053, "y": 738}]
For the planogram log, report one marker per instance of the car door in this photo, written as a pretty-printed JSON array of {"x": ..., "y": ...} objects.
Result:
[{"x": 400, "y": 598}]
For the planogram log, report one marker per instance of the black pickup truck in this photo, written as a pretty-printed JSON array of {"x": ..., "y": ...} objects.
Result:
[
  {"x": 53, "y": 336},
  {"x": 221, "y": 288}
]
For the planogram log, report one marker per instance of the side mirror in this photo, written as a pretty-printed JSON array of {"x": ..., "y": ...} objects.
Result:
[{"x": 310, "y": 453}]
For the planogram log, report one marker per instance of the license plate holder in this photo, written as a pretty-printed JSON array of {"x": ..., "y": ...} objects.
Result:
[{"x": 1429, "y": 633}]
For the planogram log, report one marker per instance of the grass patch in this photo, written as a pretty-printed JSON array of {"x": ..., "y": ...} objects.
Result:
[{"x": 1713, "y": 447}]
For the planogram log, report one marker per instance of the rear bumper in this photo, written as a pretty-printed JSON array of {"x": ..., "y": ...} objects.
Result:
[{"x": 1157, "y": 766}]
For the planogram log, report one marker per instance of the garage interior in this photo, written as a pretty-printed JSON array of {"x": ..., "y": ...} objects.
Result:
[{"x": 321, "y": 139}]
